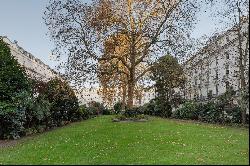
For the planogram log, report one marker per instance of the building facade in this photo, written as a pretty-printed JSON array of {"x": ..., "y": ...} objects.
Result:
[
  {"x": 215, "y": 68},
  {"x": 87, "y": 95},
  {"x": 34, "y": 67}
]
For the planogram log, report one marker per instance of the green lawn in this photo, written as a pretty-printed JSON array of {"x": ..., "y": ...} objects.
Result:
[{"x": 159, "y": 141}]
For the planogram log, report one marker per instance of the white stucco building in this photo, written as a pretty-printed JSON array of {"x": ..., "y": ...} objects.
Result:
[
  {"x": 86, "y": 95},
  {"x": 34, "y": 67},
  {"x": 216, "y": 67},
  {"x": 145, "y": 98}
]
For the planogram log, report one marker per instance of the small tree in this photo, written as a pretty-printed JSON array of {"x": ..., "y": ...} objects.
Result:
[
  {"x": 13, "y": 84},
  {"x": 167, "y": 74},
  {"x": 13, "y": 79}
]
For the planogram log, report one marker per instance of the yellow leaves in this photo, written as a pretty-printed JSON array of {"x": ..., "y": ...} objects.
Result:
[
  {"x": 154, "y": 13},
  {"x": 116, "y": 45},
  {"x": 177, "y": 143},
  {"x": 114, "y": 78},
  {"x": 200, "y": 159},
  {"x": 180, "y": 153},
  {"x": 244, "y": 152}
]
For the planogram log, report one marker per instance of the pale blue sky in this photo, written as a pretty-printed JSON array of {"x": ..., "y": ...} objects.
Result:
[{"x": 21, "y": 20}]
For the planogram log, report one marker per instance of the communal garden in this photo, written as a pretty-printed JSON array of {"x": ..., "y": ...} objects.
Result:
[{"x": 158, "y": 141}]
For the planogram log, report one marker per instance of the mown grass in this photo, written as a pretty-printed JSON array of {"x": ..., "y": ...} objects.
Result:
[{"x": 159, "y": 141}]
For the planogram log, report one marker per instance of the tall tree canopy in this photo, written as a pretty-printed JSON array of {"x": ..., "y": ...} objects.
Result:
[
  {"x": 13, "y": 79},
  {"x": 92, "y": 32},
  {"x": 167, "y": 74}
]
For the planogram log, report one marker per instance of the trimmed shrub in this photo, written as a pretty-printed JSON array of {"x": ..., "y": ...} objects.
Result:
[
  {"x": 149, "y": 107},
  {"x": 234, "y": 115},
  {"x": 118, "y": 107},
  {"x": 188, "y": 111},
  {"x": 210, "y": 112},
  {"x": 158, "y": 107},
  {"x": 64, "y": 102},
  {"x": 12, "y": 120},
  {"x": 132, "y": 112},
  {"x": 107, "y": 111},
  {"x": 162, "y": 108},
  {"x": 38, "y": 113},
  {"x": 36, "y": 108},
  {"x": 96, "y": 108},
  {"x": 92, "y": 111},
  {"x": 84, "y": 112}
]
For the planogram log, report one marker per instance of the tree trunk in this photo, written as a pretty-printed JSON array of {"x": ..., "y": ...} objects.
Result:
[
  {"x": 242, "y": 75},
  {"x": 124, "y": 94},
  {"x": 243, "y": 107},
  {"x": 131, "y": 86},
  {"x": 131, "y": 80}
]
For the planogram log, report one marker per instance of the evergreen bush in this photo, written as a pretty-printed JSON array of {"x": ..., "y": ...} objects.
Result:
[{"x": 64, "y": 103}]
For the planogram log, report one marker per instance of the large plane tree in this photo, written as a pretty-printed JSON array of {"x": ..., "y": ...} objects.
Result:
[{"x": 150, "y": 28}]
